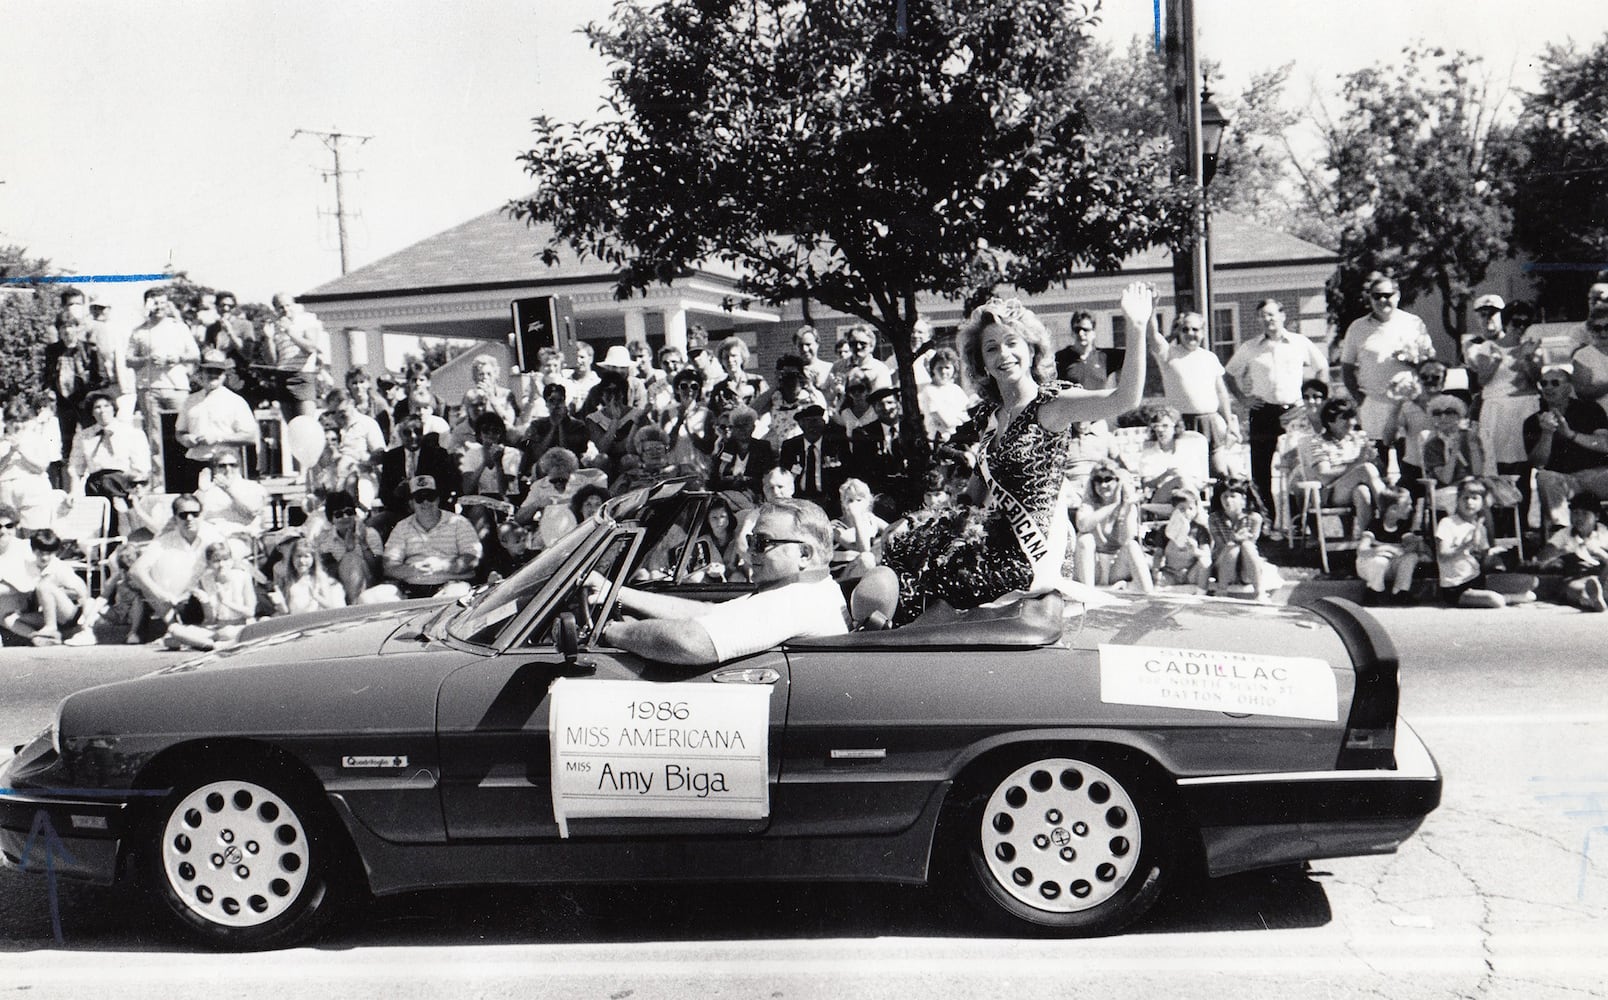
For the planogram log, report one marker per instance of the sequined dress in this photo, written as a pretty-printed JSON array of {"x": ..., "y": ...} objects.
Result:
[{"x": 968, "y": 556}]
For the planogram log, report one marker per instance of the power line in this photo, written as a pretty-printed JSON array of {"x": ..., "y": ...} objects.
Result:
[{"x": 333, "y": 141}]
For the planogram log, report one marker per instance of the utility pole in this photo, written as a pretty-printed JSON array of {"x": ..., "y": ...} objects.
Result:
[{"x": 332, "y": 139}]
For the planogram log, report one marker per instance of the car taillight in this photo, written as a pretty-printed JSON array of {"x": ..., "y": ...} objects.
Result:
[{"x": 1370, "y": 736}]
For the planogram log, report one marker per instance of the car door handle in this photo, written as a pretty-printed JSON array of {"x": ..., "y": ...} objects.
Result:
[{"x": 747, "y": 675}]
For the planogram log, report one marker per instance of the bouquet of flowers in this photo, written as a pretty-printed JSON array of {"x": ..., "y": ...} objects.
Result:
[
  {"x": 1403, "y": 386},
  {"x": 1413, "y": 353}
]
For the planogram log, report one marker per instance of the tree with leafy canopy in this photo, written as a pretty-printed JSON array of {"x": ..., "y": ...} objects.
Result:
[
  {"x": 1560, "y": 173},
  {"x": 856, "y": 153},
  {"x": 27, "y": 324},
  {"x": 1417, "y": 181}
]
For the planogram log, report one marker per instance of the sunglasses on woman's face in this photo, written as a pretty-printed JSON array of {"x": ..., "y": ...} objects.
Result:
[{"x": 1445, "y": 413}]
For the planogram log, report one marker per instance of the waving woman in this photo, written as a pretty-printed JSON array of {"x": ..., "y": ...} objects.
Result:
[{"x": 1016, "y": 536}]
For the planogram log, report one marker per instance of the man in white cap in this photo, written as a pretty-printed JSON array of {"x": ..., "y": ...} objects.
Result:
[
  {"x": 1487, "y": 325},
  {"x": 430, "y": 552},
  {"x": 215, "y": 419}
]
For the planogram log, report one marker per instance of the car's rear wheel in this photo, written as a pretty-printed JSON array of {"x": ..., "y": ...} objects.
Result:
[
  {"x": 1063, "y": 845},
  {"x": 243, "y": 858}
]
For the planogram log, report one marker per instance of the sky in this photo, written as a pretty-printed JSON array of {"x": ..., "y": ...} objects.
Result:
[{"x": 141, "y": 135}]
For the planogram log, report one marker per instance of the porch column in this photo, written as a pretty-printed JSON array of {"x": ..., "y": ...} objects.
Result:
[
  {"x": 636, "y": 326},
  {"x": 675, "y": 327}
]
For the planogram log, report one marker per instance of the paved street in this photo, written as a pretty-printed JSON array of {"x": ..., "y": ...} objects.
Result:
[{"x": 1504, "y": 893}]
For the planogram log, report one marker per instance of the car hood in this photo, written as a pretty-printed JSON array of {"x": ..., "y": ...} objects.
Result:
[{"x": 343, "y": 632}]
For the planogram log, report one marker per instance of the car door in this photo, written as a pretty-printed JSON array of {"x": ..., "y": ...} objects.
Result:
[{"x": 497, "y": 752}]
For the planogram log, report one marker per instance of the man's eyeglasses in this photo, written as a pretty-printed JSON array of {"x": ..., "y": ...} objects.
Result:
[
  {"x": 1381, "y": 295},
  {"x": 338, "y": 514},
  {"x": 762, "y": 544},
  {"x": 859, "y": 345},
  {"x": 426, "y": 497},
  {"x": 186, "y": 515},
  {"x": 7, "y": 525},
  {"x": 1445, "y": 413},
  {"x": 1554, "y": 382}
]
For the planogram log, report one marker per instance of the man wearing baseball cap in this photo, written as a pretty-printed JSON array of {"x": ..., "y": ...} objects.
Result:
[
  {"x": 431, "y": 552},
  {"x": 214, "y": 421}
]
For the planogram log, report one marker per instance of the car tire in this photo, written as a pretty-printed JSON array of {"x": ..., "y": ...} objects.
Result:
[
  {"x": 243, "y": 858},
  {"x": 1062, "y": 845}
]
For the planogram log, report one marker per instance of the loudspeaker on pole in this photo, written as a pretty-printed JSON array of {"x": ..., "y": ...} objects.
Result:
[{"x": 542, "y": 321}]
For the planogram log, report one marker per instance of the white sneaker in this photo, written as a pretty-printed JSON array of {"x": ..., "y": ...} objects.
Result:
[{"x": 83, "y": 637}]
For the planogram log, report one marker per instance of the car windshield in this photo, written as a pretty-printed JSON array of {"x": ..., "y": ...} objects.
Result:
[{"x": 491, "y": 608}]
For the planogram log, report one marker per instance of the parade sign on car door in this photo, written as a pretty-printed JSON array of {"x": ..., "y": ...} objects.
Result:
[{"x": 635, "y": 748}]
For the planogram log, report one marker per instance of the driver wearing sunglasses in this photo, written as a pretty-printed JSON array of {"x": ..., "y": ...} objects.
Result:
[{"x": 789, "y": 550}]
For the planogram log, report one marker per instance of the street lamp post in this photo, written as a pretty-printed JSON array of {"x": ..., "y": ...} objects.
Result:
[{"x": 1212, "y": 125}]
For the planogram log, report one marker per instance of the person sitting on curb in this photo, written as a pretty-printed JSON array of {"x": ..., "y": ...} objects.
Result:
[
  {"x": 171, "y": 564},
  {"x": 227, "y": 599},
  {"x": 61, "y": 597},
  {"x": 1467, "y": 556},
  {"x": 1581, "y": 552},
  {"x": 1390, "y": 550},
  {"x": 430, "y": 553}
]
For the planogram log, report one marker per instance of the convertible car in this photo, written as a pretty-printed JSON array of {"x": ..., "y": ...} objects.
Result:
[{"x": 1055, "y": 761}]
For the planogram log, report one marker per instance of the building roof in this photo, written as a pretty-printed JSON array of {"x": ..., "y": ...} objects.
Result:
[
  {"x": 1240, "y": 242},
  {"x": 494, "y": 250}
]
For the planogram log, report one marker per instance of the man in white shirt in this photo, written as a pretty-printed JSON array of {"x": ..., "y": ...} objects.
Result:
[
  {"x": 789, "y": 551},
  {"x": 1266, "y": 373},
  {"x": 1377, "y": 347},
  {"x": 161, "y": 351},
  {"x": 215, "y": 420},
  {"x": 430, "y": 552},
  {"x": 300, "y": 344},
  {"x": 807, "y": 344},
  {"x": 111, "y": 339}
]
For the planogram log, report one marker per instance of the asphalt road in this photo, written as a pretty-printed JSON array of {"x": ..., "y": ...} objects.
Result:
[{"x": 1503, "y": 893}]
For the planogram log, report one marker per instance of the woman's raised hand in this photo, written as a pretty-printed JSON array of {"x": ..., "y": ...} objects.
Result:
[{"x": 1138, "y": 302}]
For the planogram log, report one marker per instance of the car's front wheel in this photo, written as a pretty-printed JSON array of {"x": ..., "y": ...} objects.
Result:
[
  {"x": 243, "y": 860},
  {"x": 1063, "y": 845}
]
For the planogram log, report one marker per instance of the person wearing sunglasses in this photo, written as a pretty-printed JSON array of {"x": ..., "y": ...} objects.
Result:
[
  {"x": 861, "y": 342},
  {"x": 1567, "y": 442},
  {"x": 788, "y": 552},
  {"x": 1379, "y": 346},
  {"x": 171, "y": 564},
  {"x": 430, "y": 553}
]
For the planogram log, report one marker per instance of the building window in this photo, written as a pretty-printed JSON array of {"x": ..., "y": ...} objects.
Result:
[{"x": 1225, "y": 330}]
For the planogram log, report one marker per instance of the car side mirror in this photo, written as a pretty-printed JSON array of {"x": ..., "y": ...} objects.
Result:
[{"x": 568, "y": 638}]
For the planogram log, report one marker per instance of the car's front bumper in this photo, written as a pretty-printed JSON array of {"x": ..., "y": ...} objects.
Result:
[
  {"x": 1251, "y": 821},
  {"x": 71, "y": 832}
]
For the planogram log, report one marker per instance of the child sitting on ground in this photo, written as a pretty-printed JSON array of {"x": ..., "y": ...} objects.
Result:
[
  {"x": 1390, "y": 550},
  {"x": 1235, "y": 525},
  {"x": 124, "y": 605},
  {"x": 1467, "y": 556},
  {"x": 228, "y": 601},
  {"x": 1185, "y": 557},
  {"x": 1581, "y": 550},
  {"x": 61, "y": 598}
]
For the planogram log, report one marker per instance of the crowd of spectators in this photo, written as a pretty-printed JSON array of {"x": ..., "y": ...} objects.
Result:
[{"x": 413, "y": 495}]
